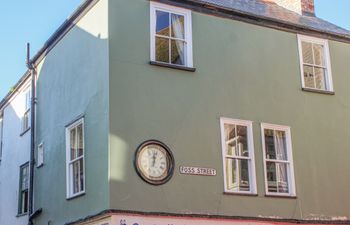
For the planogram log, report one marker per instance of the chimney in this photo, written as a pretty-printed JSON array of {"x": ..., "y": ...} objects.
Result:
[
  {"x": 308, "y": 7},
  {"x": 302, "y": 7}
]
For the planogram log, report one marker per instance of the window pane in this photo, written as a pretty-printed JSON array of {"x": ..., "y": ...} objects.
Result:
[
  {"x": 162, "y": 50},
  {"x": 80, "y": 140},
  {"x": 237, "y": 175},
  {"x": 320, "y": 78},
  {"x": 177, "y": 26},
  {"x": 163, "y": 23},
  {"x": 27, "y": 100},
  {"x": 242, "y": 141},
  {"x": 277, "y": 177},
  {"x": 319, "y": 54},
  {"x": 281, "y": 145},
  {"x": 282, "y": 180},
  {"x": 76, "y": 175},
  {"x": 309, "y": 77},
  {"x": 230, "y": 134},
  {"x": 26, "y": 119},
  {"x": 81, "y": 175},
  {"x": 24, "y": 202},
  {"x": 25, "y": 178},
  {"x": 271, "y": 175},
  {"x": 307, "y": 52},
  {"x": 236, "y": 140},
  {"x": 178, "y": 52},
  {"x": 270, "y": 144},
  {"x": 73, "y": 147}
]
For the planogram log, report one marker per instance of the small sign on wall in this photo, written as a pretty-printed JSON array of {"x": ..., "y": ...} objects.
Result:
[
  {"x": 201, "y": 171},
  {"x": 171, "y": 220}
]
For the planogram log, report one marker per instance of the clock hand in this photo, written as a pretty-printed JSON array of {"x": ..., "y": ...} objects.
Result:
[{"x": 154, "y": 159}]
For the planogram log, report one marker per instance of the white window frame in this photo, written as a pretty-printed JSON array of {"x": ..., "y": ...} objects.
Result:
[
  {"x": 22, "y": 204},
  {"x": 27, "y": 110},
  {"x": 251, "y": 158},
  {"x": 69, "y": 176},
  {"x": 328, "y": 77},
  {"x": 290, "y": 167},
  {"x": 188, "y": 30}
]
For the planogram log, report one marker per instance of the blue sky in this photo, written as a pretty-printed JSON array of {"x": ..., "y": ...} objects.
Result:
[{"x": 33, "y": 21}]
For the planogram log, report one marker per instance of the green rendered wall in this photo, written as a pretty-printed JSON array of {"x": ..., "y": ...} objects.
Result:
[
  {"x": 73, "y": 82},
  {"x": 243, "y": 72}
]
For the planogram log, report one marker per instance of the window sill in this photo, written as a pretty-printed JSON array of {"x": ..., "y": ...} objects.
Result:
[
  {"x": 24, "y": 132},
  {"x": 22, "y": 214},
  {"x": 185, "y": 68},
  {"x": 241, "y": 194},
  {"x": 318, "y": 91},
  {"x": 281, "y": 196},
  {"x": 75, "y": 196}
]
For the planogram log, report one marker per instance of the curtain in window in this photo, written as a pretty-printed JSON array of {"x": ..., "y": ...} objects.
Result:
[
  {"x": 281, "y": 155},
  {"x": 178, "y": 29}
]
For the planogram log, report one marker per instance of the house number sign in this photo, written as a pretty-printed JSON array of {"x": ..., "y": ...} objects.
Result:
[{"x": 189, "y": 170}]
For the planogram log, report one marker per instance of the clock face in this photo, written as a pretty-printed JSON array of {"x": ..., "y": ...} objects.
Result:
[{"x": 154, "y": 162}]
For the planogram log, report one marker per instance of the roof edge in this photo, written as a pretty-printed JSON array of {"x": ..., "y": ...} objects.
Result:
[
  {"x": 192, "y": 4},
  {"x": 13, "y": 90},
  {"x": 212, "y": 9},
  {"x": 49, "y": 44}
]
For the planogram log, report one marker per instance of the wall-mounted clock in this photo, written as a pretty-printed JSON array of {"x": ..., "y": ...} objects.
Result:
[{"x": 154, "y": 162}]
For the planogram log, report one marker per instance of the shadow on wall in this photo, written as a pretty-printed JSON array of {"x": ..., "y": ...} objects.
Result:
[{"x": 73, "y": 83}]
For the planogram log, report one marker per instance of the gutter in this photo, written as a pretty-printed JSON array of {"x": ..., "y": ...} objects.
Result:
[
  {"x": 265, "y": 21},
  {"x": 196, "y": 5}
]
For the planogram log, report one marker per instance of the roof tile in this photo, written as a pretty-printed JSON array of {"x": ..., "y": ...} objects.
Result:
[{"x": 273, "y": 11}]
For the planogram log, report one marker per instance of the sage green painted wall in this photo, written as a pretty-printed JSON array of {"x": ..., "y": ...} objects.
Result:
[
  {"x": 244, "y": 72},
  {"x": 73, "y": 81}
]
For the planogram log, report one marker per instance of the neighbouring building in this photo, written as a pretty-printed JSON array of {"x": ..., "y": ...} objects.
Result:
[
  {"x": 188, "y": 112},
  {"x": 14, "y": 153}
]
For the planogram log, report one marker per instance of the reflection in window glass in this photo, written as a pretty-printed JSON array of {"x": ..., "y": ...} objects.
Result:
[
  {"x": 75, "y": 165},
  {"x": 162, "y": 50},
  {"x": 238, "y": 175},
  {"x": 163, "y": 24},
  {"x": 23, "y": 189},
  {"x": 238, "y": 162},
  {"x": 318, "y": 54},
  {"x": 171, "y": 42},
  {"x": 314, "y": 65},
  {"x": 178, "y": 52},
  {"x": 320, "y": 78},
  {"x": 278, "y": 164},
  {"x": 309, "y": 76}
]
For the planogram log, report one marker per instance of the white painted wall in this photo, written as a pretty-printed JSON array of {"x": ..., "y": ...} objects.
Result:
[{"x": 15, "y": 152}]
